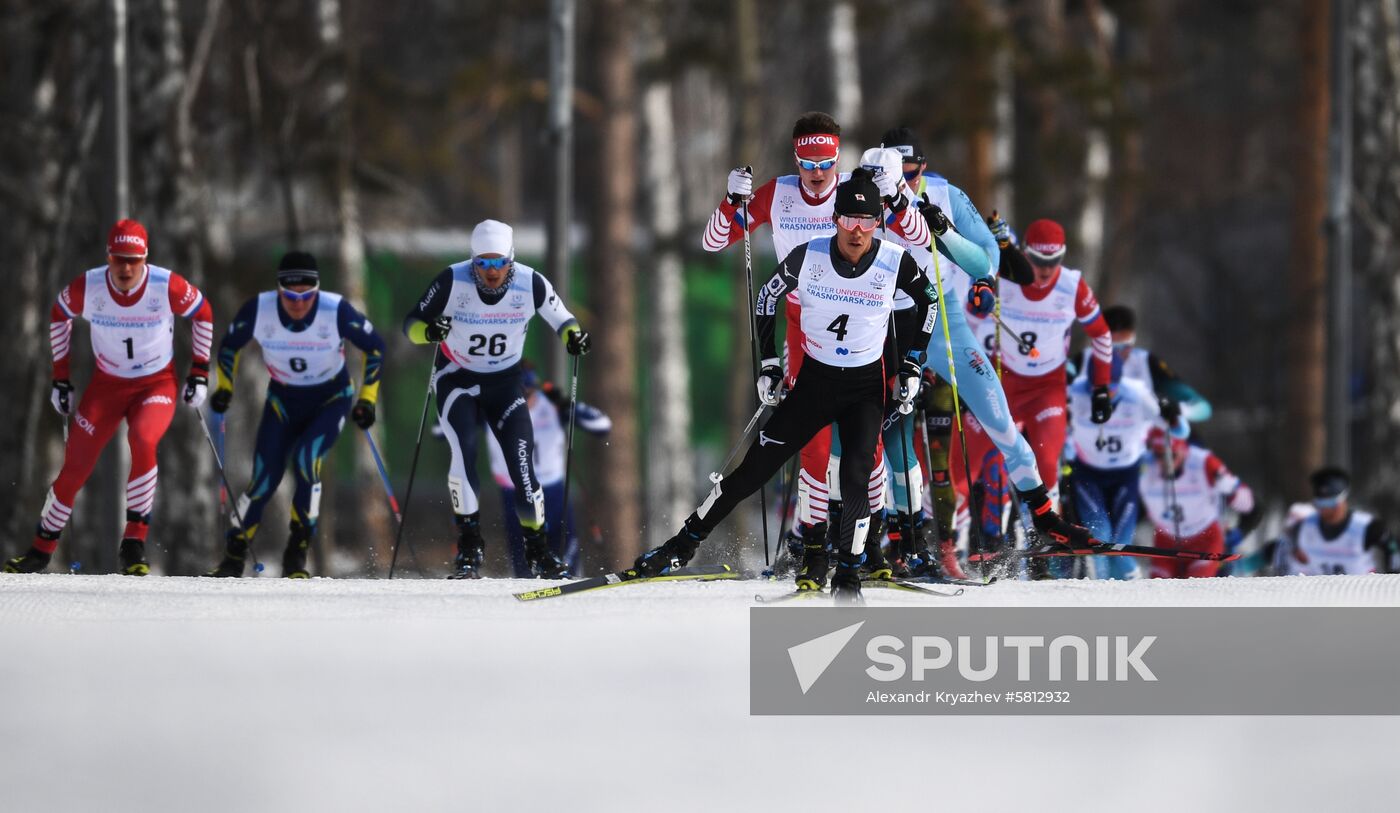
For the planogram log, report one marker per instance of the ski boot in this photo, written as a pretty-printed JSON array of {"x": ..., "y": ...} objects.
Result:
[
  {"x": 875, "y": 563},
  {"x": 133, "y": 558},
  {"x": 294, "y": 557},
  {"x": 812, "y": 575},
  {"x": 914, "y": 535},
  {"x": 674, "y": 553},
  {"x": 543, "y": 562},
  {"x": 845, "y": 581},
  {"x": 471, "y": 548},
  {"x": 235, "y": 552},
  {"x": 1050, "y": 526},
  {"x": 902, "y": 547},
  {"x": 33, "y": 561},
  {"x": 793, "y": 539}
]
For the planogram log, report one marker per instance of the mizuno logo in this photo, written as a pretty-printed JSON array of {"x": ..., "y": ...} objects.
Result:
[{"x": 764, "y": 440}]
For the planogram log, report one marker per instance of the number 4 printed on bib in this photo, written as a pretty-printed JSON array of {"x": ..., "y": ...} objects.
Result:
[{"x": 838, "y": 326}]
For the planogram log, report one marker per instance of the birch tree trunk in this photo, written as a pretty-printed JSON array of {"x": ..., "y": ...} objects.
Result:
[
  {"x": 613, "y": 365},
  {"x": 184, "y": 526},
  {"x": 670, "y": 484},
  {"x": 1307, "y": 279},
  {"x": 369, "y": 530}
]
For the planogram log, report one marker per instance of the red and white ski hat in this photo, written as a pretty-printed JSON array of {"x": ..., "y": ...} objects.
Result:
[
  {"x": 127, "y": 239},
  {"x": 1045, "y": 241}
]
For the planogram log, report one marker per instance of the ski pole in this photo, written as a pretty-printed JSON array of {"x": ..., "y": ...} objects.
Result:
[
  {"x": 223, "y": 478},
  {"x": 783, "y": 510},
  {"x": 389, "y": 492},
  {"x": 569, "y": 452},
  {"x": 1170, "y": 485},
  {"x": 743, "y": 440},
  {"x": 906, "y": 450},
  {"x": 417, "y": 448},
  {"x": 753, "y": 346},
  {"x": 974, "y": 531}
]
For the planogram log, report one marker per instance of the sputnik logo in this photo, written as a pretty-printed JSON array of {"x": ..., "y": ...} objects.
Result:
[{"x": 811, "y": 659}]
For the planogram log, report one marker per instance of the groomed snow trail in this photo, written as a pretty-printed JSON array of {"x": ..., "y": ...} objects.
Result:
[{"x": 264, "y": 694}]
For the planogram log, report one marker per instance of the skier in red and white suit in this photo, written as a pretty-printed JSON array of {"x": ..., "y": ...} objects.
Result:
[
  {"x": 1041, "y": 313},
  {"x": 131, "y": 308},
  {"x": 799, "y": 208},
  {"x": 1186, "y": 515}
]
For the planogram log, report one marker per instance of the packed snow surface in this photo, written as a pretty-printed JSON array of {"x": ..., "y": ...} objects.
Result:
[{"x": 264, "y": 694}]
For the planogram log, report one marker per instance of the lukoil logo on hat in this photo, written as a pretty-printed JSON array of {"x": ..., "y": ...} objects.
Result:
[
  {"x": 127, "y": 239},
  {"x": 1045, "y": 240}
]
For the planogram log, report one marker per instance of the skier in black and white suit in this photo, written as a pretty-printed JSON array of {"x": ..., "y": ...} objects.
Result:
[
  {"x": 846, "y": 287},
  {"x": 478, "y": 311}
]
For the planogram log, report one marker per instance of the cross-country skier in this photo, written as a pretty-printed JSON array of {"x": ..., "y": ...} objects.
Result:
[
  {"x": 1145, "y": 366},
  {"x": 1335, "y": 538},
  {"x": 845, "y": 286},
  {"x": 130, "y": 306},
  {"x": 1183, "y": 500},
  {"x": 1040, "y": 315},
  {"x": 549, "y": 417},
  {"x": 1106, "y": 462},
  {"x": 477, "y": 312},
  {"x": 977, "y": 382},
  {"x": 302, "y": 331},
  {"x": 799, "y": 208}
]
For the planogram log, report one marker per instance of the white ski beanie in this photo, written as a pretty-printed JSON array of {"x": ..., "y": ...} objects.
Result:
[{"x": 493, "y": 237}]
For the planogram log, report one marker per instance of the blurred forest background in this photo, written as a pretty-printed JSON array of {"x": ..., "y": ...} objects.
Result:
[{"x": 1230, "y": 169}]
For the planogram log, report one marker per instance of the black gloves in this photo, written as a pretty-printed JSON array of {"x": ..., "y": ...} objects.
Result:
[{"x": 363, "y": 414}]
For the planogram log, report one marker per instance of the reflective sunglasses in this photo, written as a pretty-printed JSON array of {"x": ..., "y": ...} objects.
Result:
[
  {"x": 864, "y": 223},
  {"x": 1328, "y": 502},
  {"x": 811, "y": 165},
  {"x": 491, "y": 264},
  {"x": 298, "y": 296}
]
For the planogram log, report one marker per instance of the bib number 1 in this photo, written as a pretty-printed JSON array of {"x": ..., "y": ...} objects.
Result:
[{"x": 130, "y": 347}]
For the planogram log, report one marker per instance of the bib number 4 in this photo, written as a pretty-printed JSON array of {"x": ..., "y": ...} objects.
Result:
[{"x": 838, "y": 326}]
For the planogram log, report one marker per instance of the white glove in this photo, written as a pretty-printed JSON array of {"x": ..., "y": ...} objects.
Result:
[
  {"x": 1242, "y": 501},
  {"x": 909, "y": 379},
  {"x": 61, "y": 396},
  {"x": 196, "y": 389},
  {"x": 740, "y": 184},
  {"x": 887, "y": 165},
  {"x": 770, "y": 380}
]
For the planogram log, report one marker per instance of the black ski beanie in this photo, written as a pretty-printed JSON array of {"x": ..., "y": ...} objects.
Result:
[
  {"x": 859, "y": 195},
  {"x": 298, "y": 268},
  {"x": 903, "y": 140}
]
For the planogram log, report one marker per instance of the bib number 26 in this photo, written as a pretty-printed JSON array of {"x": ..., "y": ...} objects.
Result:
[{"x": 482, "y": 345}]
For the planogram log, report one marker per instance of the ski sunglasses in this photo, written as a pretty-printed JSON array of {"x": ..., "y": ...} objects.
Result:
[
  {"x": 298, "y": 296},
  {"x": 811, "y": 165},
  {"x": 491, "y": 264},
  {"x": 865, "y": 223}
]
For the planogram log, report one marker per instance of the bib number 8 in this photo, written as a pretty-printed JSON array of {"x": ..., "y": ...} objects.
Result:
[
  {"x": 838, "y": 326},
  {"x": 482, "y": 345},
  {"x": 298, "y": 364}
]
